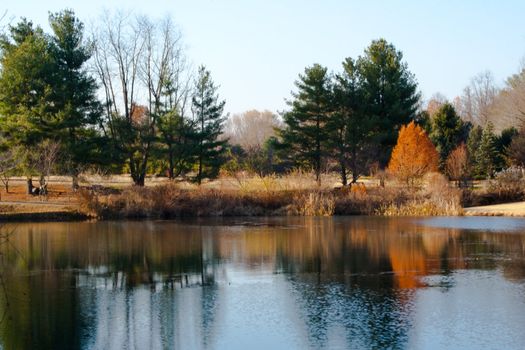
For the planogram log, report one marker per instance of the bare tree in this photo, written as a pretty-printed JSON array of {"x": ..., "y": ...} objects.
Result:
[
  {"x": 434, "y": 104},
  {"x": 457, "y": 165},
  {"x": 477, "y": 102},
  {"x": 510, "y": 102},
  {"x": 43, "y": 160},
  {"x": 9, "y": 161},
  {"x": 139, "y": 63},
  {"x": 251, "y": 129}
]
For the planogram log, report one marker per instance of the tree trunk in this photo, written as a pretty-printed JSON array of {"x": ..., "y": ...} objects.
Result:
[
  {"x": 199, "y": 174},
  {"x": 74, "y": 182},
  {"x": 140, "y": 180},
  {"x": 344, "y": 179},
  {"x": 29, "y": 185},
  {"x": 170, "y": 170}
]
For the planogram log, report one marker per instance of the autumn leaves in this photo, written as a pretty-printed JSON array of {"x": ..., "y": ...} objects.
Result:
[{"x": 414, "y": 154}]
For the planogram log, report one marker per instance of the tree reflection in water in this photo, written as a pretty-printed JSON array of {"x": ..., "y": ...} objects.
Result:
[{"x": 349, "y": 282}]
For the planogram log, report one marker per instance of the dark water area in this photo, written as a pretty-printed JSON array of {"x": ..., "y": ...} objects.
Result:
[{"x": 276, "y": 283}]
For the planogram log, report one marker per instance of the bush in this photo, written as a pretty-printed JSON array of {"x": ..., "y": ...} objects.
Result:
[
  {"x": 508, "y": 183},
  {"x": 437, "y": 198}
]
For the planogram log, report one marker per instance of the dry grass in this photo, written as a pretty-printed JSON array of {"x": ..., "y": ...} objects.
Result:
[
  {"x": 436, "y": 198},
  {"x": 166, "y": 201},
  {"x": 265, "y": 197}
]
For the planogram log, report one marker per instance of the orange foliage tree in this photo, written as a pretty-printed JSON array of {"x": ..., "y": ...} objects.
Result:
[{"x": 414, "y": 154}]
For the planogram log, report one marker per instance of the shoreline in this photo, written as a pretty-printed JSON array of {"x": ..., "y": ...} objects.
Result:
[
  {"x": 515, "y": 209},
  {"x": 50, "y": 216},
  {"x": 500, "y": 210}
]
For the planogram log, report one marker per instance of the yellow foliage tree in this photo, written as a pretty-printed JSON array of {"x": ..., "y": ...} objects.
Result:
[{"x": 414, "y": 154}]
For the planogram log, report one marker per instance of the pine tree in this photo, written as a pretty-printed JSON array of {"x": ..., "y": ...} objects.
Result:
[
  {"x": 305, "y": 135},
  {"x": 414, "y": 154},
  {"x": 487, "y": 156},
  {"x": 209, "y": 120},
  {"x": 447, "y": 130},
  {"x": 473, "y": 143},
  {"x": 351, "y": 132},
  {"x": 75, "y": 93},
  {"x": 27, "y": 106},
  {"x": 175, "y": 142},
  {"x": 389, "y": 92}
]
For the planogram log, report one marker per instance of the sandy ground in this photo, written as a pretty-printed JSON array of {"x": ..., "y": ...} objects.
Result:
[{"x": 507, "y": 209}]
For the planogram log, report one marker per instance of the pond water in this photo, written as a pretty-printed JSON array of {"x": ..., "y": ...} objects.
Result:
[{"x": 269, "y": 283}]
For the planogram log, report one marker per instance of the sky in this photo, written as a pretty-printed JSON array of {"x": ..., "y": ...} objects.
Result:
[{"x": 255, "y": 49}]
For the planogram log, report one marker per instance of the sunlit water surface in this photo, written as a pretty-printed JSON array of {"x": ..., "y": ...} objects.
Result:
[{"x": 280, "y": 283}]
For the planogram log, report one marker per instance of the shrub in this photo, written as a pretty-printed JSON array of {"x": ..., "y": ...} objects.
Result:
[{"x": 508, "y": 183}]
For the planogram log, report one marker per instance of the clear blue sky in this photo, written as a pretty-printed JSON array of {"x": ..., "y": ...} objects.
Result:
[{"x": 256, "y": 48}]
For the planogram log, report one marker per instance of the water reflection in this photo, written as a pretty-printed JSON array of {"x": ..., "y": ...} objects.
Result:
[{"x": 281, "y": 283}]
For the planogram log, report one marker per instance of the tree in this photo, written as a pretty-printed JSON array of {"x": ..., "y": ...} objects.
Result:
[
  {"x": 516, "y": 150},
  {"x": 448, "y": 130},
  {"x": 305, "y": 134},
  {"x": 435, "y": 103},
  {"x": 251, "y": 129},
  {"x": 46, "y": 91},
  {"x": 351, "y": 133},
  {"x": 389, "y": 92},
  {"x": 27, "y": 104},
  {"x": 473, "y": 143},
  {"x": 510, "y": 102},
  {"x": 9, "y": 162},
  {"x": 414, "y": 154},
  {"x": 44, "y": 159},
  {"x": 478, "y": 99},
  {"x": 457, "y": 164},
  {"x": 75, "y": 93},
  {"x": 136, "y": 58},
  {"x": 175, "y": 139},
  {"x": 209, "y": 120},
  {"x": 503, "y": 142},
  {"x": 174, "y": 125},
  {"x": 486, "y": 156},
  {"x": 248, "y": 133}
]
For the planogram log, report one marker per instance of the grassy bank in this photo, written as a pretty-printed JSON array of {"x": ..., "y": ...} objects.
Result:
[{"x": 172, "y": 201}]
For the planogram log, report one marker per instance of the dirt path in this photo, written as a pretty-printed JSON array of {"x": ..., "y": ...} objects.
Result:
[{"x": 507, "y": 209}]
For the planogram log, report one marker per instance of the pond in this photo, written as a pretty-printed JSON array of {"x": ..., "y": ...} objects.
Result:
[{"x": 268, "y": 283}]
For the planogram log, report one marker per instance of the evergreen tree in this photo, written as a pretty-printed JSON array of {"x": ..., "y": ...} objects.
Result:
[
  {"x": 175, "y": 142},
  {"x": 447, "y": 130},
  {"x": 516, "y": 150},
  {"x": 209, "y": 120},
  {"x": 305, "y": 134},
  {"x": 503, "y": 142},
  {"x": 473, "y": 144},
  {"x": 487, "y": 156},
  {"x": 46, "y": 92},
  {"x": 27, "y": 106},
  {"x": 389, "y": 92},
  {"x": 350, "y": 131},
  {"x": 75, "y": 93}
]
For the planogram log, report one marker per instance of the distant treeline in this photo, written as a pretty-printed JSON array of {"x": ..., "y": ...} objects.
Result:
[{"x": 122, "y": 97}]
